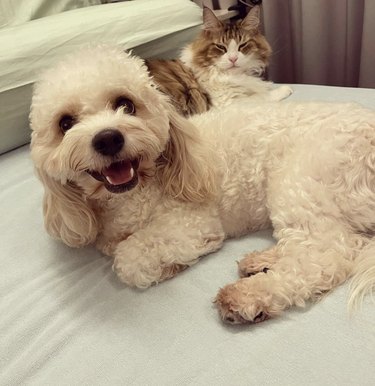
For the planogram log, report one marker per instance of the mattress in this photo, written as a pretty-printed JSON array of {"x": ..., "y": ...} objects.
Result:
[{"x": 67, "y": 320}]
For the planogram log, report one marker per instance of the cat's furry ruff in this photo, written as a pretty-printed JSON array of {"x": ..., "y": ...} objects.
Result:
[{"x": 307, "y": 168}]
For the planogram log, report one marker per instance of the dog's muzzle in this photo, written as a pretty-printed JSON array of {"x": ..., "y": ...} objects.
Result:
[{"x": 119, "y": 176}]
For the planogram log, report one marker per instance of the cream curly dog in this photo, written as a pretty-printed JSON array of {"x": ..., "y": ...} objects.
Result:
[{"x": 123, "y": 171}]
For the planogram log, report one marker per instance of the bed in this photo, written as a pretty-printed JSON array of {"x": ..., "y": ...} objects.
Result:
[{"x": 67, "y": 320}]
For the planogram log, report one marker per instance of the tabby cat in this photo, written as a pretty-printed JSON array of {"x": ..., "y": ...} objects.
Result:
[{"x": 223, "y": 63}]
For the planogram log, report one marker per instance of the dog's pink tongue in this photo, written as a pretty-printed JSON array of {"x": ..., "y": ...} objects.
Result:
[{"x": 119, "y": 173}]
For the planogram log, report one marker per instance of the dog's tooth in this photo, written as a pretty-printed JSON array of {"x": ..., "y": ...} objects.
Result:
[
  {"x": 131, "y": 173},
  {"x": 109, "y": 180}
]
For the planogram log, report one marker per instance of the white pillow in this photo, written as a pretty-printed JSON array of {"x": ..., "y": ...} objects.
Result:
[{"x": 20, "y": 11}]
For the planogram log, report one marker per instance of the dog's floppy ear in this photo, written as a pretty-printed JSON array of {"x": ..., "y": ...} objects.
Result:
[
  {"x": 67, "y": 216},
  {"x": 185, "y": 169}
]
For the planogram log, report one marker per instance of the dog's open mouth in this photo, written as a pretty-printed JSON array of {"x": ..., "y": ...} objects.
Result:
[{"x": 119, "y": 176}]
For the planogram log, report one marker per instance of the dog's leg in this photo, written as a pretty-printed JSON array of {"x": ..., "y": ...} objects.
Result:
[
  {"x": 171, "y": 243},
  {"x": 306, "y": 267},
  {"x": 363, "y": 282},
  {"x": 317, "y": 246}
]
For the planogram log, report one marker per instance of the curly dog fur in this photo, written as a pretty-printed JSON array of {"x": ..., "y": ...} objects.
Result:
[{"x": 174, "y": 189}]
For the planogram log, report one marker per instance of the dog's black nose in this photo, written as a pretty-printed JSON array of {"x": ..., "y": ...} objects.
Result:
[{"x": 108, "y": 142}]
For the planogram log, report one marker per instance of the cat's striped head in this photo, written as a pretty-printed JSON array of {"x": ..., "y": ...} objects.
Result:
[{"x": 234, "y": 47}]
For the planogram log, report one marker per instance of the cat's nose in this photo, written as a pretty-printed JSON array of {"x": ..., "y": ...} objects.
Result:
[{"x": 233, "y": 58}]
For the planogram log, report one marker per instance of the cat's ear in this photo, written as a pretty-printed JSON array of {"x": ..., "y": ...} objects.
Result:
[
  {"x": 210, "y": 22},
  {"x": 252, "y": 20}
]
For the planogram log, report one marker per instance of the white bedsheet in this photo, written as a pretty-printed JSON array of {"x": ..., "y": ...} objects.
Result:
[{"x": 66, "y": 320}]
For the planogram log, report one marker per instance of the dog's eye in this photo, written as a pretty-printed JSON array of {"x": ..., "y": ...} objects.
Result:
[
  {"x": 66, "y": 123},
  {"x": 126, "y": 104},
  {"x": 220, "y": 47}
]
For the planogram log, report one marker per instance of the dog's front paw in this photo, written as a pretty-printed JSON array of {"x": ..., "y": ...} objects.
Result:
[
  {"x": 135, "y": 275},
  {"x": 142, "y": 277},
  {"x": 108, "y": 245},
  {"x": 108, "y": 248}
]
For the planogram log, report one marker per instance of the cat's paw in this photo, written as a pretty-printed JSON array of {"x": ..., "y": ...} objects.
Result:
[{"x": 281, "y": 92}]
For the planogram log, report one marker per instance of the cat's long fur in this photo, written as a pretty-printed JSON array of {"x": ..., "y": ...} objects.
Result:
[
  {"x": 223, "y": 63},
  {"x": 179, "y": 82}
]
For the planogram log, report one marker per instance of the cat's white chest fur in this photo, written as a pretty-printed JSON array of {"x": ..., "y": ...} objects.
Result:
[{"x": 224, "y": 86}]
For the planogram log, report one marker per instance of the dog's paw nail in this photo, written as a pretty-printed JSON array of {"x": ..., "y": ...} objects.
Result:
[
  {"x": 248, "y": 274},
  {"x": 260, "y": 317},
  {"x": 253, "y": 273}
]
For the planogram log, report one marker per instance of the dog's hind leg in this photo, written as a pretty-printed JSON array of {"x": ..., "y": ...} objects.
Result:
[
  {"x": 256, "y": 262},
  {"x": 363, "y": 282},
  {"x": 307, "y": 265}
]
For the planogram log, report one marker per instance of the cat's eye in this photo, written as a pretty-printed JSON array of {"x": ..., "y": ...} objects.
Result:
[
  {"x": 242, "y": 45},
  {"x": 221, "y": 47},
  {"x": 126, "y": 104},
  {"x": 66, "y": 122}
]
